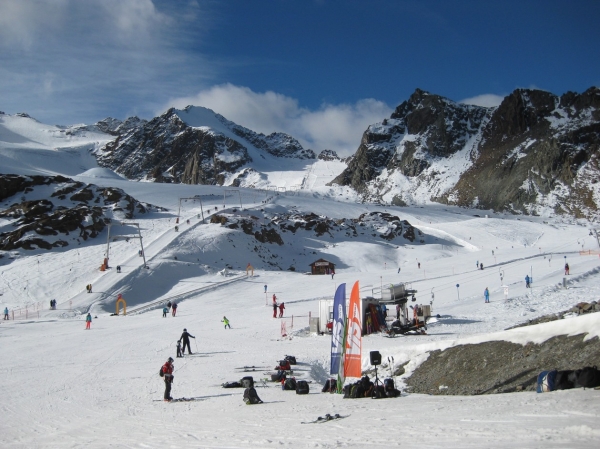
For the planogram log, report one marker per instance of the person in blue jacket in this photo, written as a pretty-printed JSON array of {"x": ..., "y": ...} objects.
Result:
[
  {"x": 527, "y": 282},
  {"x": 486, "y": 294}
]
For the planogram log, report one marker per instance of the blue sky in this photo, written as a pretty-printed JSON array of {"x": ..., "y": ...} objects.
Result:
[{"x": 321, "y": 70}]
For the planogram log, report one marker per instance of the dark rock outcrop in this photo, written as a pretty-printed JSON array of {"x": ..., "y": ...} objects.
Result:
[{"x": 73, "y": 211}]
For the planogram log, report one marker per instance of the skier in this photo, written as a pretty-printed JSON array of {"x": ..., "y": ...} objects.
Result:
[
  {"x": 226, "y": 322},
  {"x": 265, "y": 288},
  {"x": 332, "y": 273},
  {"x": 281, "y": 308},
  {"x": 118, "y": 268},
  {"x": 566, "y": 269},
  {"x": 274, "y": 298},
  {"x": 88, "y": 321},
  {"x": 486, "y": 294},
  {"x": 527, "y": 282},
  {"x": 6, "y": 313},
  {"x": 481, "y": 266},
  {"x": 165, "y": 310},
  {"x": 274, "y": 310},
  {"x": 477, "y": 264},
  {"x": 419, "y": 265},
  {"x": 168, "y": 375},
  {"x": 169, "y": 305},
  {"x": 185, "y": 338},
  {"x": 179, "y": 349},
  {"x": 174, "y": 308}
]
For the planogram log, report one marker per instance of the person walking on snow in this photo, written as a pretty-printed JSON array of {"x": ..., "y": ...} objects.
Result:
[
  {"x": 179, "y": 349},
  {"x": 566, "y": 269},
  {"x": 226, "y": 322},
  {"x": 274, "y": 298},
  {"x": 281, "y": 308},
  {"x": 486, "y": 294},
  {"x": 167, "y": 370},
  {"x": 6, "y": 313},
  {"x": 274, "y": 310},
  {"x": 527, "y": 282},
  {"x": 185, "y": 338},
  {"x": 88, "y": 321},
  {"x": 174, "y": 308},
  {"x": 265, "y": 288},
  {"x": 165, "y": 310}
]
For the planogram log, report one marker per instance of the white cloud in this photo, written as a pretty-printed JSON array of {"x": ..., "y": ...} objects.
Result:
[
  {"x": 335, "y": 127},
  {"x": 486, "y": 100}
]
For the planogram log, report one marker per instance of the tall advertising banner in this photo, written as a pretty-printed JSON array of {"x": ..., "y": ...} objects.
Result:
[
  {"x": 352, "y": 357},
  {"x": 337, "y": 334}
]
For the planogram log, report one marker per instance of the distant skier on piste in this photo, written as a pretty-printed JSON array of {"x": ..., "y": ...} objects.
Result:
[
  {"x": 226, "y": 322},
  {"x": 185, "y": 338}
]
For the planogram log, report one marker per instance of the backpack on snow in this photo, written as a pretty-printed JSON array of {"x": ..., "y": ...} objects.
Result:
[
  {"x": 588, "y": 377},
  {"x": 291, "y": 359},
  {"x": 546, "y": 381},
  {"x": 302, "y": 387},
  {"x": 390, "y": 389},
  {"x": 283, "y": 365},
  {"x": 290, "y": 384},
  {"x": 564, "y": 380},
  {"x": 251, "y": 397},
  {"x": 161, "y": 373},
  {"x": 247, "y": 382},
  {"x": 379, "y": 392},
  {"x": 231, "y": 385},
  {"x": 278, "y": 377},
  {"x": 330, "y": 386}
]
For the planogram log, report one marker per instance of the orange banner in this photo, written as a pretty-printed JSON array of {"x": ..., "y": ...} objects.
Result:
[{"x": 352, "y": 359}]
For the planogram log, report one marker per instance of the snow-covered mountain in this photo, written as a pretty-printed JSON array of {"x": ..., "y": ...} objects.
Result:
[
  {"x": 534, "y": 153},
  {"x": 193, "y": 146}
]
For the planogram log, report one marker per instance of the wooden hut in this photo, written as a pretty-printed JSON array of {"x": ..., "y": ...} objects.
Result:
[{"x": 322, "y": 266}]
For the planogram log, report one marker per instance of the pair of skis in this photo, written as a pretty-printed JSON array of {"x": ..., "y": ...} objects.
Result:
[{"x": 326, "y": 418}]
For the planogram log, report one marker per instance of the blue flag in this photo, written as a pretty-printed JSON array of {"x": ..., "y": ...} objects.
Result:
[{"x": 339, "y": 322}]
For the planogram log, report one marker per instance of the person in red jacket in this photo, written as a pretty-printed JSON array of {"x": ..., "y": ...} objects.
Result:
[
  {"x": 281, "y": 307},
  {"x": 168, "y": 375}
]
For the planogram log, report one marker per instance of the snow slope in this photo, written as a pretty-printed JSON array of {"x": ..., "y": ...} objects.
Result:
[{"x": 65, "y": 387}]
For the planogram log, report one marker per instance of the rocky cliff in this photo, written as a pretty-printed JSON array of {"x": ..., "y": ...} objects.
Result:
[{"x": 534, "y": 152}]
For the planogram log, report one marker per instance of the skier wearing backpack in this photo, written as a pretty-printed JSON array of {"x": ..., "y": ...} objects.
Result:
[
  {"x": 167, "y": 370},
  {"x": 185, "y": 338}
]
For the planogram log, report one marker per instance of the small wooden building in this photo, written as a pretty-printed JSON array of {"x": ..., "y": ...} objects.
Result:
[{"x": 322, "y": 266}]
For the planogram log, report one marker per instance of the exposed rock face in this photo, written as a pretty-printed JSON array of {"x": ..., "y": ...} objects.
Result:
[
  {"x": 500, "y": 366},
  {"x": 534, "y": 151},
  {"x": 270, "y": 236},
  {"x": 73, "y": 211},
  {"x": 167, "y": 149}
]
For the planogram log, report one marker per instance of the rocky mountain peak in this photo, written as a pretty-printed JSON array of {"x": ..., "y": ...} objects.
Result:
[{"x": 534, "y": 152}]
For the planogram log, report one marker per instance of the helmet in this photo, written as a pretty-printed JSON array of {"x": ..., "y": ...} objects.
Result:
[
  {"x": 170, "y": 360},
  {"x": 185, "y": 330}
]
